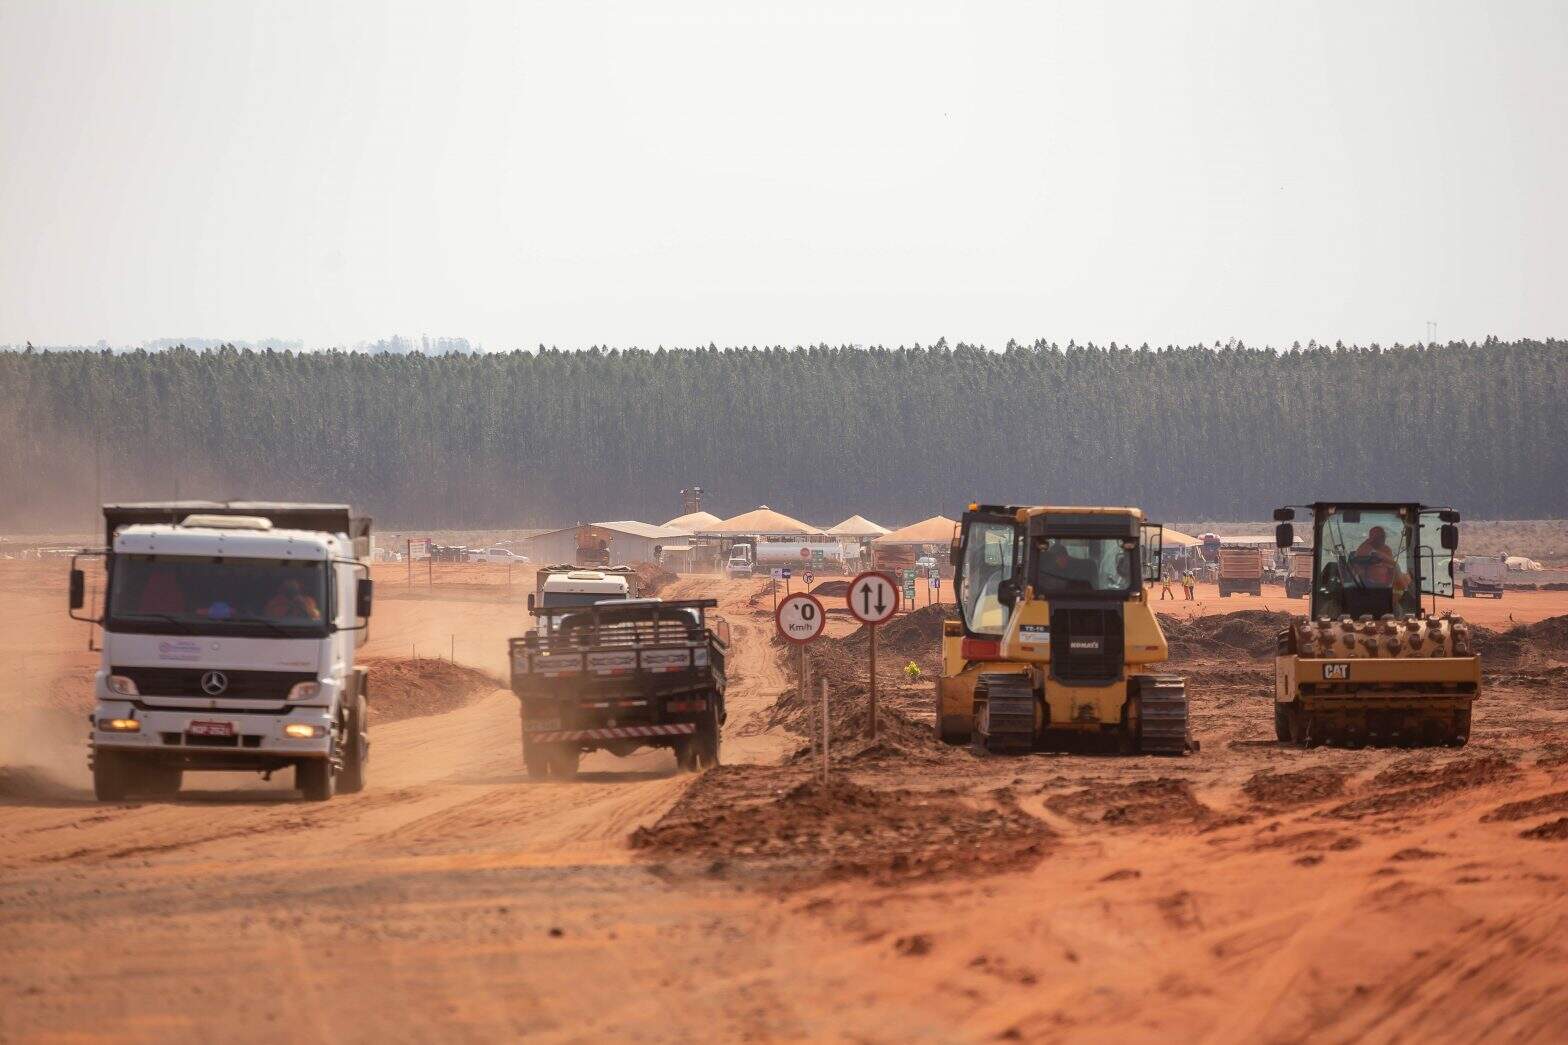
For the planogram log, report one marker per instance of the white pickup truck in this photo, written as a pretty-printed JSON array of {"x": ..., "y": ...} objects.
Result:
[{"x": 229, "y": 637}]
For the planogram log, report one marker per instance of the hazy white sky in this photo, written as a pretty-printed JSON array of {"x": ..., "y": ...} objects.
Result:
[{"x": 642, "y": 172}]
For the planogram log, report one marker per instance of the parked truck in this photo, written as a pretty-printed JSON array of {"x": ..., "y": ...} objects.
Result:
[
  {"x": 1298, "y": 575},
  {"x": 229, "y": 638},
  {"x": 1484, "y": 575},
  {"x": 1241, "y": 569},
  {"x": 619, "y": 676},
  {"x": 740, "y": 562}
]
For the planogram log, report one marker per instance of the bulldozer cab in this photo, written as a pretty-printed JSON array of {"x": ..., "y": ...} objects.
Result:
[
  {"x": 1376, "y": 558},
  {"x": 985, "y": 557}
]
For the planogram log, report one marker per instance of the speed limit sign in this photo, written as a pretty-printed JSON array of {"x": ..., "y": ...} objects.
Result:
[
  {"x": 873, "y": 598},
  {"x": 800, "y": 618}
]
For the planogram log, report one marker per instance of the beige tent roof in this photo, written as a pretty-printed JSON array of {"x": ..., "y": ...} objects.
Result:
[
  {"x": 857, "y": 526},
  {"x": 936, "y": 530},
  {"x": 694, "y": 522},
  {"x": 1176, "y": 537},
  {"x": 764, "y": 520}
]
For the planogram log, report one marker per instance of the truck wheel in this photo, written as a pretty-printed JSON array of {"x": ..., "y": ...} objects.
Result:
[
  {"x": 563, "y": 761},
  {"x": 356, "y": 749},
  {"x": 706, "y": 743},
  {"x": 686, "y": 754},
  {"x": 111, "y": 776},
  {"x": 535, "y": 760},
  {"x": 315, "y": 779},
  {"x": 1282, "y": 723}
]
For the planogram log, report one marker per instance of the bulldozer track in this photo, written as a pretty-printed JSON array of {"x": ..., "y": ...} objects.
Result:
[
  {"x": 1162, "y": 712},
  {"x": 1006, "y": 721}
]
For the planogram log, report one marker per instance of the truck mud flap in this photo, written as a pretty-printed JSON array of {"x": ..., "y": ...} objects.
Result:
[{"x": 673, "y": 729}]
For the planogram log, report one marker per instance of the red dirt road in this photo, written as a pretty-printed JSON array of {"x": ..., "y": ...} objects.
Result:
[{"x": 1248, "y": 892}]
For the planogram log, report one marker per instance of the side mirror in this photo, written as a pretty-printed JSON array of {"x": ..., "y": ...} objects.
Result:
[
  {"x": 1448, "y": 516},
  {"x": 78, "y": 589},
  {"x": 363, "y": 593},
  {"x": 1007, "y": 593},
  {"x": 1284, "y": 533},
  {"x": 1449, "y": 535},
  {"x": 530, "y": 602},
  {"x": 1284, "y": 514}
]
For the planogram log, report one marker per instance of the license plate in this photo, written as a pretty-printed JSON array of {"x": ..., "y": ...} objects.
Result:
[
  {"x": 536, "y": 725},
  {"x": 210, "y": 729}
]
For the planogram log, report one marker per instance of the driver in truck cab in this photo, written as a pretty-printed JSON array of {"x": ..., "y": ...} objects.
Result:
[{"x": 292, "y": 602}]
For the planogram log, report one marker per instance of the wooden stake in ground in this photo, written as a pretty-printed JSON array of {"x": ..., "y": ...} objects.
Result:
[{"x": 824, "y": 731}]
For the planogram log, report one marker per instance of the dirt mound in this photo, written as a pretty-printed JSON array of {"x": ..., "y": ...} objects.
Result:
[
  {"x": 1551, "y": 831},
  {"x": 1524, "y": 644},
  {"x": 908, "y": 636},
  {"x": 1138, "y": 804},
  {"x": 1418, "y": 783},
  {"x": 1253, "y": 633},
  {"x": 402, "y": 688},
  {"x": 831, "y": 590},
  {"x": 1304, "y": 786},
  {"x": 811, "y": 832},
  {"x": 1553, "y": 803},
  {"x": 652, "y": 578}
]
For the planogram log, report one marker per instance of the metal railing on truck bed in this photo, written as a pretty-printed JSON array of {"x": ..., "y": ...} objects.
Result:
[{"x": 625, "y": 637}]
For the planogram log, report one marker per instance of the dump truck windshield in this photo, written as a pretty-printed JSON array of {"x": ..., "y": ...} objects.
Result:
[
  {"x": 1366, "y": 563},
  {"x": 202, "y": 595},
  {"x": 988, "y": 561},
  {"x": 1084, "y": 566}
]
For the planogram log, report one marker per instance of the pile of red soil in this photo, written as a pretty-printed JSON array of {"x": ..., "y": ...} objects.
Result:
[
  {"x": 1283, "y": 790},
  {"x": 1138, "y": 804},
  {"x": 1419, "y": 783},
  {"x": 401, "y": 688},
  {"x": 1523, "y": 644},
  {"x": 1244, "y": 633},
  {"x": 831, "y": 590},
  {"x": 811, "y": 832}
]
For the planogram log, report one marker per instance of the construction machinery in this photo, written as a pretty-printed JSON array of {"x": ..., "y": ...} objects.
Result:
[
  {"x": 1371, "y": 663},
  {"x": 1055, "y": 641}
]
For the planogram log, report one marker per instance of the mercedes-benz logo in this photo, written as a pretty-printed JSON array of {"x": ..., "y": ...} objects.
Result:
[{"x": 214, "y": 682}]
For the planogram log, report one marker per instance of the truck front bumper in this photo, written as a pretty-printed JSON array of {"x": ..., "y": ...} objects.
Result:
[{"x": 214, "y": 737}]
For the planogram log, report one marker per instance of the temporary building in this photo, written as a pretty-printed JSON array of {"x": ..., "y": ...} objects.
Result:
[
  {"x": 857, "y": 526},
  {"x": 765, "y": 522},
  {"x": 630, "y": 541},
  {"x": 936, "y": 530},
  {"x": 694, "y": 522},
  {"x": 903, "y": 547}
]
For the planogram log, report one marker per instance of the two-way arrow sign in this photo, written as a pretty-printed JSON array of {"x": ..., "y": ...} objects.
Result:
[{"x": 873, "y": 598}]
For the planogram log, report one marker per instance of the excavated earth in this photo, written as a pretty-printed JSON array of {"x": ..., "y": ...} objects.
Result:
[{"x": 1251, "y": 891}]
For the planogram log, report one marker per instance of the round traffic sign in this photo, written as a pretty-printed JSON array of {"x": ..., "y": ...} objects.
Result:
[
  {"x": 800, "y": 618},
  {"x": 805, "y": 553},
  {"x": 872, "y": 597}
]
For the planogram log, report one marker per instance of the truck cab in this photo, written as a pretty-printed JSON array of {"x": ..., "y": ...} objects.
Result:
[
  {"x": 740, "y": 562},
  {"x": 229, "y": 639}
]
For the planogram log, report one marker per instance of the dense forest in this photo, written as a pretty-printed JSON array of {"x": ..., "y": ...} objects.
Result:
[{"x": 548, "y": 436}]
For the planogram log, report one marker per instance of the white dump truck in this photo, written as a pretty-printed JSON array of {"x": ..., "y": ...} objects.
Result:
[{"x": 229, "y": 638}]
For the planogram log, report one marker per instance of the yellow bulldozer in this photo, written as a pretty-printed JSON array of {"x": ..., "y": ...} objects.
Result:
[
  {"x": 1055, "y": 640},
  {"x": 1371, "y": 663}
]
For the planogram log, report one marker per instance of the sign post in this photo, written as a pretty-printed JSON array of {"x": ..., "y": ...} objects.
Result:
[
  {"x": 800, "y": 619},
  {"x": 786, "y": 581},
  {"x": 873, "y": 599}
]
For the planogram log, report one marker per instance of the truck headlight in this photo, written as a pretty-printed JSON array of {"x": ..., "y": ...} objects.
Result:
[
  {"x": 119, "y": 725},
  {"x": 305, "y": 690},
  {"x": 122, "y": 685},
  {"x": 302, "y": 730}
]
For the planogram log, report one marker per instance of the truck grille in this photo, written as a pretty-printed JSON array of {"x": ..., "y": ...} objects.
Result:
[
  {"x": 1087, "y": 645},
  {"x": 242, "y": 685}
]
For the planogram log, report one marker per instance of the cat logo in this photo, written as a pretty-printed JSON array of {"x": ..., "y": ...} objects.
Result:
[{"x": 1336, "y": 672}]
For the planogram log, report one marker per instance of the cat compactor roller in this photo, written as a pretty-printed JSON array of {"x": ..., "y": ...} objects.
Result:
[
  {"x": 1055, "y": 640},
  {"x": 1371, "y": 664}
]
